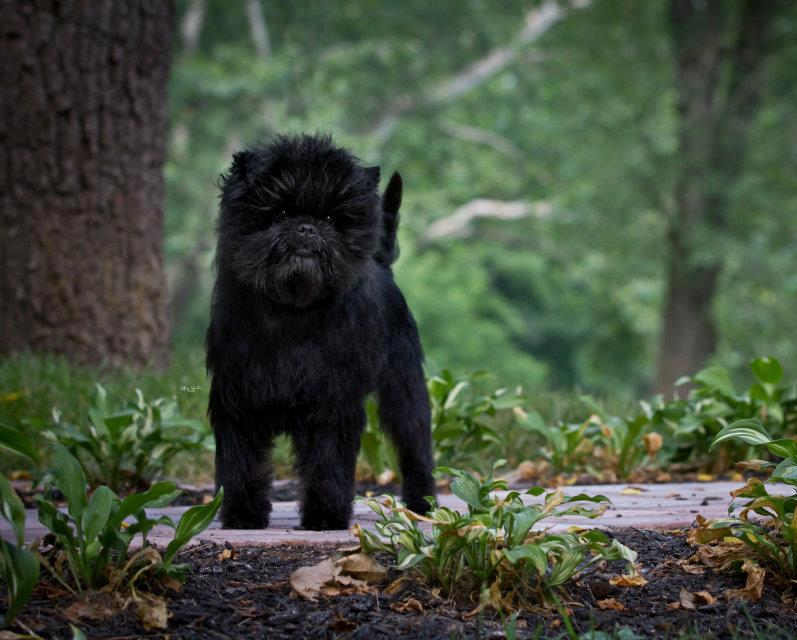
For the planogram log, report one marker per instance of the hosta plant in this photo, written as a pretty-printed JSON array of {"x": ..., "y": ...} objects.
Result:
[
  {"x": 464, "y": 420},
  {"x": 713, "y": 403},
  {"x": 761, "y": 525},
  {"x": 493, "y": 552},
  {"x": 126, "y": 449},
  {"x": 19, "y": 564},
  {"x": 90, "y": 543}
]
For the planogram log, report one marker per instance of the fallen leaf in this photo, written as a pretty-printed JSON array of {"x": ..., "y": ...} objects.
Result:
[
  {"x": 362, "y": 566},
  {"x": 153, "y": 613},
  {"x": 706, "y": 477},
  {"x": 95, "y": 606},
  {"x": 691, "y": 600},
  {"x": 632, "y": 491},
  {"x": 754, "y": 586},
  {"x": 673, "y": 606},
  {"x": 633, "y": 580},
  {"x": 611, "y": 603},
  {"x": 688, "y": 567},
  {"x": 411, "y": 604},
  {"x": 394, "y": 587},
  {"x": 653, "y": 442},
  {"x": 227, "y": 554},
  {"x": 207, "y": 498},
  {"x": 308, "y": 581}
]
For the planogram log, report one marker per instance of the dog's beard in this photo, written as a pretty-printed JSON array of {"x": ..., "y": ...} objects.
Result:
[{"x": 291, "y": 272}]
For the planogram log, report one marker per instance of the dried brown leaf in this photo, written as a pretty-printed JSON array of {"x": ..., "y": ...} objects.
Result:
[
  {"x": 633, "y": 580},
  {"x": 632, "y": 491},
  {"x": 153, "y": 613},
  {"x": 411, "y": 604},
  {"x": 754, "y": 585},
  {"x": 611, "y": 603},
  {"x": 362, "y": 566}
]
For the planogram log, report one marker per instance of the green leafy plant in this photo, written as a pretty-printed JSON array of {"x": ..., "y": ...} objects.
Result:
[
  {"x": 604, "y": 445},
  {"x": 92, "y": 539},
  {"x": 713, "y": 403},
  {"x": 492, "y": 550},
  {"x": 126, "y": 449},
  {"x": 464, "y": 420},
  {"x": 772, "y": 538},
  {"x": 19, "y": 565}
]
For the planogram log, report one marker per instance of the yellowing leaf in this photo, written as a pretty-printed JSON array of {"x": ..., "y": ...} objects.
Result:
[
  {"x": 706, "y": 477},
  {"x": 653, "y": 443},
  {"x": 632, "y": 491}
]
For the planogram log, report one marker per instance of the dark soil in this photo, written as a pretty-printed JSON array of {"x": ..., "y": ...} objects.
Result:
[{"x": 248, "y": 596}]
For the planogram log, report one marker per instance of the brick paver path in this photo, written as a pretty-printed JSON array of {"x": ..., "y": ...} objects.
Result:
[{"x": 658, "y": 506}]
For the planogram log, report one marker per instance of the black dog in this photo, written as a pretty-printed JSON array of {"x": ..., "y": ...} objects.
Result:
[{"x": 307, "y": 320}]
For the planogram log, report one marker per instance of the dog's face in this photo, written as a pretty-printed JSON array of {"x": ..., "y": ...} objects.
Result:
[{"x": 299, "y": 219}]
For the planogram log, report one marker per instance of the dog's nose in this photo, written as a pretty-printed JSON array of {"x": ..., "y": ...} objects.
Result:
[{"x": 306, "y": 229}]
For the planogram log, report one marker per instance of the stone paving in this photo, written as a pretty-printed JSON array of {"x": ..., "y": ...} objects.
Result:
[{"x": 657, "y": 506}]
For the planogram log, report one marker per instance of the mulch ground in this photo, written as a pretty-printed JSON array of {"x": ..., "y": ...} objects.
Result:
[{"x": 247, "y": 595}]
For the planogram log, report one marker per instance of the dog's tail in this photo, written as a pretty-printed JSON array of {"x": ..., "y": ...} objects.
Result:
[{"x": 391, "y": 202}]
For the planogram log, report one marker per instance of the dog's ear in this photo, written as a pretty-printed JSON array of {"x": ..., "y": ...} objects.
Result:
[
  {"x": 372, "y": 174},
  {"x": 391, "y": 198},
  {"x": 242, "y": 164}
]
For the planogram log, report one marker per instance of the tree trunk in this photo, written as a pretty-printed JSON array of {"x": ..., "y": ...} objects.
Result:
[
  {"x": 719, "y": 93},
  {"x": 82, "y": 132}
]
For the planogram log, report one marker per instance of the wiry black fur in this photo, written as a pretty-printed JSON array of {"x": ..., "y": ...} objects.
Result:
[{"x": 304, "y": 325}]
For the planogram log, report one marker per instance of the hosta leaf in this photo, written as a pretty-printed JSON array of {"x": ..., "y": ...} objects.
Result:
[
  {"x": 464, "y": 486},
  {"x": 767, "y": 370},
  {"x": 531, "y": 552},
  {"x": 21, "y": 572},
  {"x": 407, "y": 559},
  {"x": 158, "y": 495},
  {"x": 750, "y": 431},
  {"x": 70, "y": 479},
  {"x": 566, "y": 566},
  {"x": 97, "y": 512},
  {"x": 716, "y": 379},
  {"x": 193, "y": 522},
  {"x": 13, "y": 509},
  {"x": 17, "y": 442}
]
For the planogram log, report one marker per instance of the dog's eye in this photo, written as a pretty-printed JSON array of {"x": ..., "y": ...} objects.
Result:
[{"x": 328, "y": 218}]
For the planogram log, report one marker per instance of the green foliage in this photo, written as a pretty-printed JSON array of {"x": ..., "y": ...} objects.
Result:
[
  {"x": 713, "y": 403},
  {"x": 771, "y": 538},
  {"x": 492, "y": 550},
  {"x": 19, "y": 565},
  {"x": 464, "y": 421},
  {"x": 128, "y": 448},
  {"x": 93, "y": 538}
]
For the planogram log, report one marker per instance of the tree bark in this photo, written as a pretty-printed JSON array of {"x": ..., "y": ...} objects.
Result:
[
  {"x": 719, "y": 93},
  {"x": 82, "y": 141}
]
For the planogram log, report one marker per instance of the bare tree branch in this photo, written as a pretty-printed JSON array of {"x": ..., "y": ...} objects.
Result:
[
  {"x": 536, "y": 23},
  {"x": 485, "y": 137},
  {"x": 258, "y": 28},
  {"x": 460, "y": 223},
  {"x": 191, "y": 26}
]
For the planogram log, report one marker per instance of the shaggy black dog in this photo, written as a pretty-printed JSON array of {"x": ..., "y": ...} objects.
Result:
[{"x": 306, "y": 321}]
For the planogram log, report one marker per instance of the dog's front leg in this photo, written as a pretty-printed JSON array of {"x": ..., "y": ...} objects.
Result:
[
  {"x": 243, "y": 468},
  {"x": 326, "y": 456}
]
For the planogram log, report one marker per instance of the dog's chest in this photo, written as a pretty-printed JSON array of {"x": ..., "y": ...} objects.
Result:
[{"x": 318, "y": 362}]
